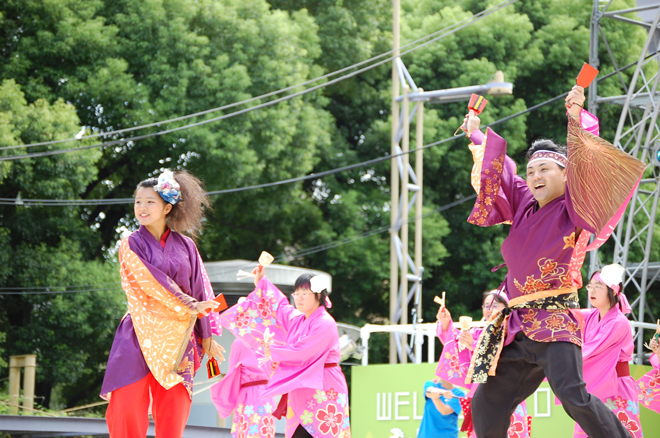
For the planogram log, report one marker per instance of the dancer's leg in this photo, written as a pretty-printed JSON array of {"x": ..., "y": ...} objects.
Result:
[
  {"x": 170, "y": 410},
  {"x": 128, "y": 413},
  {"x": 494, "y": 402},
  {"x": 562, "y": 363}
]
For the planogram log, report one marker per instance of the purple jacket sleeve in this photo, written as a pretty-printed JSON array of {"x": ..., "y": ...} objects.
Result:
[
  {"x": 160, "y": 276},
  {"x": 500, "y": 191},
  {"x": 203, "y": 325}
]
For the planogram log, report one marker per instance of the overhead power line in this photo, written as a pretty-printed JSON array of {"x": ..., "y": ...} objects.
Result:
[
  {"x": 273, "y": 93},
  {"x": 48, "y": 290},
  {"x": 256, "y": 107},
  {"x": 116, "y": 201},
  {"x": 91, "y": 202},
  {"x": 58, "y": 292}
]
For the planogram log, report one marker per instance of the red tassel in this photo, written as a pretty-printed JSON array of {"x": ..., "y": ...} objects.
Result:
[
  {"x": 466, "y": 403},
  {"x": 280, "y": 411}
]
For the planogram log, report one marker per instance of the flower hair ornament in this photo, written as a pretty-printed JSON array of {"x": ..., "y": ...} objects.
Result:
[
  {"x": 168, "y": 188},
  {"x": 612, "y": 277},
  {"x": 318, "y": 284}
]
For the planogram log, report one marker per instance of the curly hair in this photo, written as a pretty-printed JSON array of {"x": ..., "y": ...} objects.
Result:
[{"x": 187, "y": 214}]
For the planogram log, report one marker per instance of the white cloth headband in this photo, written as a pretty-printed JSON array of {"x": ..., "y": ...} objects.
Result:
[
  {"x": 612, "y": 275},
  {"x": 319, "y": 283},
  {"x": 549, "y": 155}
]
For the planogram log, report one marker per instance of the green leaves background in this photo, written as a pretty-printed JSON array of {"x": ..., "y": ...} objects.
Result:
[{"x": 107, "y": 65}]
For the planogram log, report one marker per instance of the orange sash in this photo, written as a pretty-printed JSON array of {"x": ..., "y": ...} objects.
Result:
[{"x": 161, "y": 321}]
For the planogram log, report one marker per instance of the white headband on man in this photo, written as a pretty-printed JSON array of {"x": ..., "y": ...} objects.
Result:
[{"x": 558, "y": 158}]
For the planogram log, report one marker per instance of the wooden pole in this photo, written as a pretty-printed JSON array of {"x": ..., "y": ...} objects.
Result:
[
  {"x": 29, "y": 377},
  {"x": 14, "y": 385},
  {"x": 29, "y": 363}
]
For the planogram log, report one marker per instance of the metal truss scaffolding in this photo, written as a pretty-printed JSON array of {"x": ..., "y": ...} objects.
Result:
[
  {"x": 405, "y": 180},
  {"x": 406, "y": 272},
  {"x": 638, "y": 134}
]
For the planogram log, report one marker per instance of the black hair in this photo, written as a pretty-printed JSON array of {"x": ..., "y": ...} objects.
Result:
[
  {"x": 545, "y": 144},
  {"x": 187, "y": 214},
  {"x": 497, "y": 297},
  {"x": 613, "y": 297},
  {"x": 304, "y": 281}
]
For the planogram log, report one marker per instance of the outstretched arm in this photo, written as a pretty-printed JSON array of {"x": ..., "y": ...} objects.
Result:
[
  {"x": 600, "y": 177},
  {"x": 445, "y": 326},
  {"x": 655, "y": 357},
  {"x": 500, "y": 191}
]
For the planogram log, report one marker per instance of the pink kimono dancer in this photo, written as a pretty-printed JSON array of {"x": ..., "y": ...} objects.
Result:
[
  {"x": 305, "y": 354},
  {"x": 606, "y": 351},
  {"x": 241, "y": 392},
  {"x": 453, "y": 366},
  {"x": 649, "y": 386}
]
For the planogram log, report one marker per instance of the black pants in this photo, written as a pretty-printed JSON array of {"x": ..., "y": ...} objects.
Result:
[
  {"x": 521, "y": 369},
  {"x": 301, "y": 433}
]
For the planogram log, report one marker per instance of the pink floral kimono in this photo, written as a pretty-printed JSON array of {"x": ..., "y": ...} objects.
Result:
[
  {"x": 241, "y": 392},
  {"x": 649, "y": 386},
  {"x": 606, "y": 350},
  {"x": 305, "y": 355}
]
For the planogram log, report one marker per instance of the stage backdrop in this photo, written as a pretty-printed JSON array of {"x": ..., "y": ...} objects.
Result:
[{"x": 387, "y": 401}]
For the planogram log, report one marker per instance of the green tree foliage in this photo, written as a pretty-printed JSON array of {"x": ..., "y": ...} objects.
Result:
[
  {"x": 540, "y": 46},
  {"x": 109, "y": 65},
  {"x": 42, "y": 247}
]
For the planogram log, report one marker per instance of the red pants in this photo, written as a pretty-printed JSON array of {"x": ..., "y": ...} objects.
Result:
[{"x": 128, "y": 413}]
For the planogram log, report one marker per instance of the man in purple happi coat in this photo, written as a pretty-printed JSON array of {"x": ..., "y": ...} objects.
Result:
[{"x": 569, "y": 195}]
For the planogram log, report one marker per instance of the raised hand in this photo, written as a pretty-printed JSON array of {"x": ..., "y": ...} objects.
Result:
[
  {"x": 575, "y": 101},
  {"x": 259, "y": 273},
  {"x": 472, "y": 121},
  {"x": 466, "y": 339},
  {"x": 655, "y": 346},
  {"x": 444, "y": 317}
]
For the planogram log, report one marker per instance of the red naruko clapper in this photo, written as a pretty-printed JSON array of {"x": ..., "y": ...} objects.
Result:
[{"x": 586, "y": 76}]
